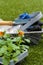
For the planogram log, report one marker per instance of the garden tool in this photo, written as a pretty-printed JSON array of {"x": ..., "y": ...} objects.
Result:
[{"x": 26, "y": 25}]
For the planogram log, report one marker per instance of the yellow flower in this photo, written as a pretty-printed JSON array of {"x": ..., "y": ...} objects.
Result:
[{"x": 21, "y": 33}]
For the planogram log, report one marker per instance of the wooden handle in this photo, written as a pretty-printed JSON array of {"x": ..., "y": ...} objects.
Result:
[{"x": 10, "y": 23}]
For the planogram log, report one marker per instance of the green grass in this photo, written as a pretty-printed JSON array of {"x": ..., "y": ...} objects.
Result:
[
  {"x": 10, "y": 9},
  {"x": 35, "y": 55}
]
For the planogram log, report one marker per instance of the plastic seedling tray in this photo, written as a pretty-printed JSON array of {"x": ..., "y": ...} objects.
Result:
[{"x": 20, "y": 57}]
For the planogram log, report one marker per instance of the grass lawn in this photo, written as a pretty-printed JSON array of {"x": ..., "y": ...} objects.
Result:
[{"x": 10, "y": 9}]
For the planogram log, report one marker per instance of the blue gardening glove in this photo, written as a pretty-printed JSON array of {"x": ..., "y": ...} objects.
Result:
[{"x": 24, "y": 16}]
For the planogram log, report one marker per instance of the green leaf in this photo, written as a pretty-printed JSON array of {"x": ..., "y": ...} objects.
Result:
[
  {"x": 16, "y": 53},
  {"x": 2, "y": 42},
  {"x": 13, "y": 46},
  {"x": 6, "y": 61},
  {"x": 16, "y": 39},
  {"x": 27, "y": 40},
  {"x": 24, "y": 47},
  {"x": 3, "y": 50},
  {"x": 15, "y": 59},
  {"x": 6, "y": 36},
  {"x": 7, "y": 54}
]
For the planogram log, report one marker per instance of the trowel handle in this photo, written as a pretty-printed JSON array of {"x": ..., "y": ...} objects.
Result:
[{"x": 10, "y": 23}]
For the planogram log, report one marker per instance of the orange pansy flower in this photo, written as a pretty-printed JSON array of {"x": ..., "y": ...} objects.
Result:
[
  {"x": 21, "y": 33},
  {"x": 1, "y": 33}
]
